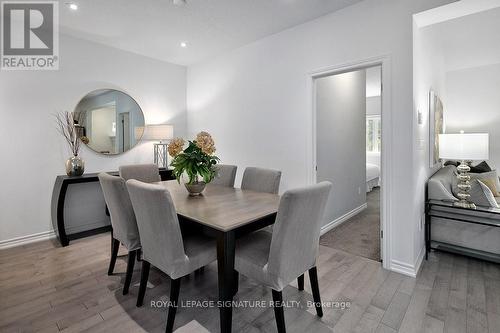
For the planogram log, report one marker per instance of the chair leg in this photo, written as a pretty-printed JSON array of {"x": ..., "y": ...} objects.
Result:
[
  {"x": 175, "y": 287},
  {"x": 115, "y": 244},
  {"x": 300, "y": 282},
  {"x": 313, "y": 277},
  {"x": 130, "y": 270},
  {"x": 278, "y": 311},
  {"x": 144, "y": 282}
]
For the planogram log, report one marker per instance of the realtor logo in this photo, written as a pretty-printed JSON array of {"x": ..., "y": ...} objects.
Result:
[{"x": 30, "y": 35}]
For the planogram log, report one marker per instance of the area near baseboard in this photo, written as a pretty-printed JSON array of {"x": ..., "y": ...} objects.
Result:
[
  {"x": 407, "y": 269},
  {"x": 46, "y": 235},
  {"x": 343, "y": 218},
  {"x": 18, "y": 241}
]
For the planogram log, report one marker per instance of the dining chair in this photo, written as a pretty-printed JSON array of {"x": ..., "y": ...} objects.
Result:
[
  {"x": 226, "y": 174},
  {"x": 147, "y": 173},
  {"x": 162, "y": 243},
  {"x": 261, "y": 180},
  {"x": 123, "y": 223},
  {"x": 276, "y": 259}
]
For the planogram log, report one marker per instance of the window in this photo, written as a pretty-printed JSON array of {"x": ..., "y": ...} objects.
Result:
[{"x": 373, "y": 133}]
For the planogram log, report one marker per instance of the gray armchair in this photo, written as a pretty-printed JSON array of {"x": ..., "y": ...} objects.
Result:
[
  {"x": 261, "y": 180},
  {"x": 277, "y": 259},
  {"x": 162, "y": 243},
  {"x": 226, "y": 174},
  {"x": 147, "y": 173},
  {"x": 122, "y": 221}
]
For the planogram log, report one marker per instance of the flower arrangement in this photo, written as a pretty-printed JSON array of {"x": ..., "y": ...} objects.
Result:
[{"x": 196, "y": 161}]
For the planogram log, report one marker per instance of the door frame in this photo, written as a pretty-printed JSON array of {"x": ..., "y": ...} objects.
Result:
[{"x": 387, "y": 139}]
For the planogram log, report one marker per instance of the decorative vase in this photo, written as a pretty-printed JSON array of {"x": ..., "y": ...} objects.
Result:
[
  {"x": 195, "y": 189},
  {"x": 75, "y": 166}
]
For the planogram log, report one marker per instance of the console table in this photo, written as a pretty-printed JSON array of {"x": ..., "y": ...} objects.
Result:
[
  {"x": 59, "y": 196},
  {"x": 486, "y": 216}
]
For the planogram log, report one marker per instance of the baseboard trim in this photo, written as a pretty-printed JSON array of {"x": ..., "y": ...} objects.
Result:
[
  {"x": 407, "y": 269},
  {"x": 343, "y": 218},
  {"x": 18, "y": 241},
  {"x": 46, "y": 235}
]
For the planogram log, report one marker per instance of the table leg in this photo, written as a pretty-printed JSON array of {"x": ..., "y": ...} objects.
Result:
[
  {"x": 225, "y": 262},
  {"x": 427, "y": 235}
]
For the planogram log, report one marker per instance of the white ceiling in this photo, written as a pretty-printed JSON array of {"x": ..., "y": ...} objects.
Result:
[
  {"x": 155, "y": 28},
  {"x": 469, "y": 41}
]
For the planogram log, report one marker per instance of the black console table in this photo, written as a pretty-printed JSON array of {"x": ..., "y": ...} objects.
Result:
[{"x": 59, "y": 196}]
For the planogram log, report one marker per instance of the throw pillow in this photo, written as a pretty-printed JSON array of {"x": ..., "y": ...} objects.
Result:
[
  {"x": 491, "y": 185},
  {"x": 491, "y": 175},
  {"x": 481, "y": 195},
  {"x": 480, "y": 168},
  {"x": 454, "y": 163}
]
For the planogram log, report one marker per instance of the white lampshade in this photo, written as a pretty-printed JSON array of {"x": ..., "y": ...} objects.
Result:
[
  {"x": 158, "y": 132},
  {"x": 464, "y": 146}
]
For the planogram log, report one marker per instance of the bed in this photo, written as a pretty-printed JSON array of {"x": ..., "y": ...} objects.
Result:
[{"x": 372, "y": 176}]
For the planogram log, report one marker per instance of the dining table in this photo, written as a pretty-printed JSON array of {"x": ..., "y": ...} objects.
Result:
[{"x": 226, "y": 213}]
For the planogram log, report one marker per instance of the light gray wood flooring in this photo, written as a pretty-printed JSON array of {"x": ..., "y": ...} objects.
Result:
[{"x": 44, "y": 288}]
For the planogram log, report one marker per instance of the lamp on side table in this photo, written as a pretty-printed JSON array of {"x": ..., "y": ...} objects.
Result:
[
  {"x": 464, "y": 147},
  {"x": 161, "y": 133}
]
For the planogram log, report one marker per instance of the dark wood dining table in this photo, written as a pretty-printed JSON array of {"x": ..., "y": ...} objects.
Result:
[{"x": 226, "y": 213}]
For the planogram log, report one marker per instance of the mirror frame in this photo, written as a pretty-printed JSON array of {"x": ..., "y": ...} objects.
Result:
[{"x": 138, "y": 141}]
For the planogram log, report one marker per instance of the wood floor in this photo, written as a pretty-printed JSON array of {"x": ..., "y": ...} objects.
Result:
[
  {"x": 360, "y": 235},
  {"x": 50, "y": 289}
]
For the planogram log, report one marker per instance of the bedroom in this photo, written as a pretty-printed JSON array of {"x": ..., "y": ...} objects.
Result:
[{"x": 356, "y": 226}]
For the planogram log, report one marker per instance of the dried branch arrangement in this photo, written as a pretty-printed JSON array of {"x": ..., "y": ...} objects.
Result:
[{"x": 66, "y": 126}]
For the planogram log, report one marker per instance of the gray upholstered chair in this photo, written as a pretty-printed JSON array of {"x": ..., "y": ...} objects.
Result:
[
  {"x": 277, "y": 259},
  {"x": 162, "y": 243},
  {"x": 261, "y": 180},
  {"x": 147, "y": 173},
  {"x": 122, "y": 221},
  {"x": 226, "y": 174}
]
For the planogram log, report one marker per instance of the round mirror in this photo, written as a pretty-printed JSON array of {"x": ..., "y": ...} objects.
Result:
[{"x": 112, "y": 121}]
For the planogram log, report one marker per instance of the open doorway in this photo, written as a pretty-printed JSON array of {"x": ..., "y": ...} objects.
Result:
[{"x": 348, "y": 133}]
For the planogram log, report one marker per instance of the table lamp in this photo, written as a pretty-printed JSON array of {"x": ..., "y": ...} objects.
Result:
[
  {"x": 159, "y": 133},
  {"x": 464, "y": 147}
]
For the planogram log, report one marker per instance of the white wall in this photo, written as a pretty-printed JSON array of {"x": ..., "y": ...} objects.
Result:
[
  {"x": 341, "y": 143},
  {"x": 33, "y": 153},
  {"x": 429, "y": 73},
  {"x": 453, "y": 38},
  {"x": 256, "y": 101},
  {"x": 473, "y": 104}
]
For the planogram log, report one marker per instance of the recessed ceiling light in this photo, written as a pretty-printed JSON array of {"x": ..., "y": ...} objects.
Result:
[
  {"x": 72, "y": 6},
  {"x": 184, "y": 44},
  {"x": 179, "y": 2}
]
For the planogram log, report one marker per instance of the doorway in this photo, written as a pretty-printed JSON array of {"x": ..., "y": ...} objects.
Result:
[{"x": 348, "y": 150}]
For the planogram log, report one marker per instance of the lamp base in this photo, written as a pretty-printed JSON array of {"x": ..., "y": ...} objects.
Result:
[
  {"x": 464, "y": 186},
  {"x": 464, "y": 204},
  {"x": 161, "y": 155}
]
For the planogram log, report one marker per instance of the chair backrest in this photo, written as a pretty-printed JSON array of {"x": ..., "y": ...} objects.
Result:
[
  {"x": 261, "y": 180},
  {"x": 147, "y": 173},
  {"x": 226, "y": 174},
  {"x": 120, "y": 210},
  {"x": 161, "y": 237},
  {"x": 295, "y": 239}
]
